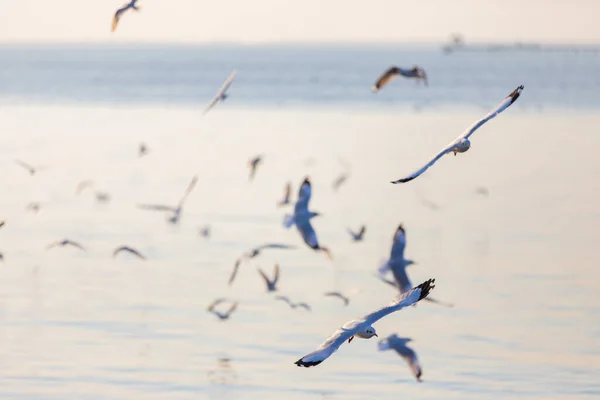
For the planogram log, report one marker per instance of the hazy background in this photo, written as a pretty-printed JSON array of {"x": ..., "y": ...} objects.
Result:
[{"x": 563, "y": 21}]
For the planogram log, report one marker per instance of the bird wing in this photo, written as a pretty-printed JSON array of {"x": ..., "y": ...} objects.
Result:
[
  {"x": 384, "y": 267},
  {"x": 398, "y": 246},
  {"x": 51, "y": 245},
  {"x": 25, "y": 165},
  {"x": 407, "y": 299},
  {"x": 418, "y": 172},
  {"x": 284, "y": 298},
  {"x": 304, "y": 305},
  {"x": 189, "y": 189},
  {"x": 232, "y": 309},
  {"x": 211, "y": 105},
  {"x": 130, "y": 250},
  {"x": 511, "y": 98},
  {"x": 288, "y": 221},
  {"x": 304, "y": 195},
  {"x": 386, "y": 280},
  {"x": 226, "y": 84},
  {"x": 338, "y": 295},
  {"x": 215, "y": 303},
  {"x": 400, "y": 276},
  {"x": 75, "y": 244},
  {"x": 329, "y": 346},
  {"x": 385, "y": 78},
  {"x": 362, "y": 231},
  {"x": 276, "y": 276},
  {"x": 157, "y": 207},
  {"x": 117, "y": 17},
  {"x": 264, "y": 276},
  {"x": 352, "y": 234},
  {"x": 287, "y": 192},
  {"x": 236, "y": 267},
  {"x": 307, "y": 232},
  {"x": 275, "y": 246},
  {"x": 2, "y": 224},
  {"x": 411, "y": 359}
]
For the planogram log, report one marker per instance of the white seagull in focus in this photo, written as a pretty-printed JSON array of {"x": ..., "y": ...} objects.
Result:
[
  {"x": 408, "y": 354},
  {"x": 132, "y": 5},
  {"x": 462, "y": 143},
  {"x": 362, "y": 327},
  {"x": 415, "y": 72},
  {"x": 222, "y": 93}
]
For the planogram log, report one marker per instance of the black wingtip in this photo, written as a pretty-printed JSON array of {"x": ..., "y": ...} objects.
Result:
[
  {"x": 516, "y": 93},
  {"x": 307, "y": 364},
  {"x": 403, "y": 180},
  {"x": 426, "y": 287}
]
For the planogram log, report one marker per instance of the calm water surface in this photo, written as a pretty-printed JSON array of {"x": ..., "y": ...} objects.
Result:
[{"x": 520, "y": 265}]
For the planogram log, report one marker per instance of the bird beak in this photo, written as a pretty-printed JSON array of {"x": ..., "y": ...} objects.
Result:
[{"x": 376, "y": 335}]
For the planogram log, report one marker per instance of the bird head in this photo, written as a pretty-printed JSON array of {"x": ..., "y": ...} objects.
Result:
[{"x": 369, "y": 333}]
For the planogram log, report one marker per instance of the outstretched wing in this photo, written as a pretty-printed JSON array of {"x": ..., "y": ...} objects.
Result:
[
  {"x": 511, "y": 98},
  {"x": 75, "y": 244},
  {"x": 304, "y": 195},
  {"x": 23, "y": 164},
  {"x": 329, "y": 346},
  {"x": 226, "y": 84},
  {"x": 284, "y": 298},
  {"x": 307, "y": 232},
  {"x": 340, "y": 296},
  {"x": 407, "y": 299},
  {"x": 211, "y": 105},
  {"x": 418, "y": 172},
  {"x": 129, "y": 250},
  {"x": 236, "y": 267},
  {"x": 157, "y": 207},
  {"x": 275, "y": 246},
  {"x": 385, "y": 78},
  {"x": 117, "y": 17},
  {"x": 276, "y": 276},
  {"x": 288, "y": 221},
  {"x": 189, "y": 189},
  {"x": 232, "y": 309},
  {"x": 264, "y": 276}
]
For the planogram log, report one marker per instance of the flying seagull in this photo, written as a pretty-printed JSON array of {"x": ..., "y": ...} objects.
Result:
[
  {"x": 129, "y": 250},
  {"x": 302, "y": 217},
  {"x": 2, "y": 224},
  {"x": 222, "y": 315},
  {"x": 339, "y": 296},
  {"x": 33, "y": 207},
  {"x": 415, "y": 72},
  {"x": 343, "y": 177},
  {"x": 358, "y": 236},
  {"x": 30, "y": 168},
  {"x": 362, "y": 327},
  {"x": 63, "y": 243},
  {"x": 292, "y": 304},
  {"x": 102, "y": 197},
  {"x": 271, "y": 284},
  {"x": 204, "y": 231},
  {"x": 129, "y": 6},
  {"x": 142, "y": 150},
  {"x": 253, "y": 165},
  {"x": 462, "y": 143},
  {"x": 397, "y": 264},
  {"x": 176, "y": 211},
  {"x": 222, "y": 93},
  {"x": 255, "y": 252},
  {"x": 286, "y": 195},
  {"x": 408, "y": 354}
]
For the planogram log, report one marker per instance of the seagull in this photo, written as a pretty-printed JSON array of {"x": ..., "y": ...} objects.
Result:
[
  {"x": 31, "y": 169},
  {"x": 358, "y": 236},
  {"x": 415, "y": 72},
  {"x": 482, "y": 190},
  {"x": 253, "y": 164},
  {"x": 255, "y": 252},
  {"x": 131, "y": 5},
  {"x": 408, "y": 354},
  {"x": 65, "y": 242},
  {"x": 222, "y": 93},
  {"x": 81, "y": 186},
  {"x": 222, "y": 316},
  {"x": 343, "y": 177},
  {"x": 102, "y": 197},
  {"x": 397, "y": 264},
  {"x": 302, "y": 217},
  {"x": 291, "y": 304},
  {"x": 1, "y": 257},
  {"x": 462, "y": 143},
  {"x": 33, "y": 207},
  {"x": 174, "y": 218},
  {"x": 362, "y": 327},
  {"x": 204, "y": 231},
  {"x": 129, "y": 250},
  {"x": 142, "y": 150},
  {"x": 340, "y": 296},
  {"x": 286, "y": 195},
  {"x": 2, "y": 224},
  {"x": 271, "y": 284}
]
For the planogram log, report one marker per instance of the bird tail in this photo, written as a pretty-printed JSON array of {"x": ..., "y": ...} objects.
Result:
[{"x": 288, "y": 221}]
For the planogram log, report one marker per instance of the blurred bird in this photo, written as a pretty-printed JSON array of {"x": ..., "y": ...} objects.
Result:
[
  {"x": 302, "y": 217},
  {"x": 358, "y": 236},
  {"x": 271, "y": 284},
  {"x": 1, "y": 257},
  {"x": 253, "y": 253},
  {"x": 286, "y": 195},
  {"x": 204, "y": 231},
  {"x": 129, "y": 6},
  {"x": 102, "y": 197},
  {"x": 293, "y": 305},
  {"x": 65, "y": 242},
  {"x": 222, "y": 315},
  {"x": 253, "y": 165},
  {"x": 222, "y": 93},
  {"x": 142, "y": 150},
  {"x": 31, "y": 169},
  {"x": 176, "y": 211},
  {"x": 34, "y": 207},
  {"x": 339, "y": 296},
  {"x": 482, "y": 190},
  {"x": 461, "y": 144},
  {"x": 130, "y": 250},
  {"x": 343, "y": 177},
  {"x": 2, "y": 224},
  {"x": 399, "y": 345},
  {"x": 415, "y": 72}
]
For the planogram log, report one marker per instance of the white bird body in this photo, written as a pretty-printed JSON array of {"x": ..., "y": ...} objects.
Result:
[
  {"x": 462, "y": 143},
  {"x": 222, "y": 93},
  {"x": 363, "y": 327}
]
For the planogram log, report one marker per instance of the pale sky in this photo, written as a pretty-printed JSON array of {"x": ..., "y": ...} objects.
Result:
[{"x": 256, "y": 21}]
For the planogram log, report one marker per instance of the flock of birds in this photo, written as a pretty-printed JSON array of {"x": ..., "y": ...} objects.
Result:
[{"x": 301, "y": 219}]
